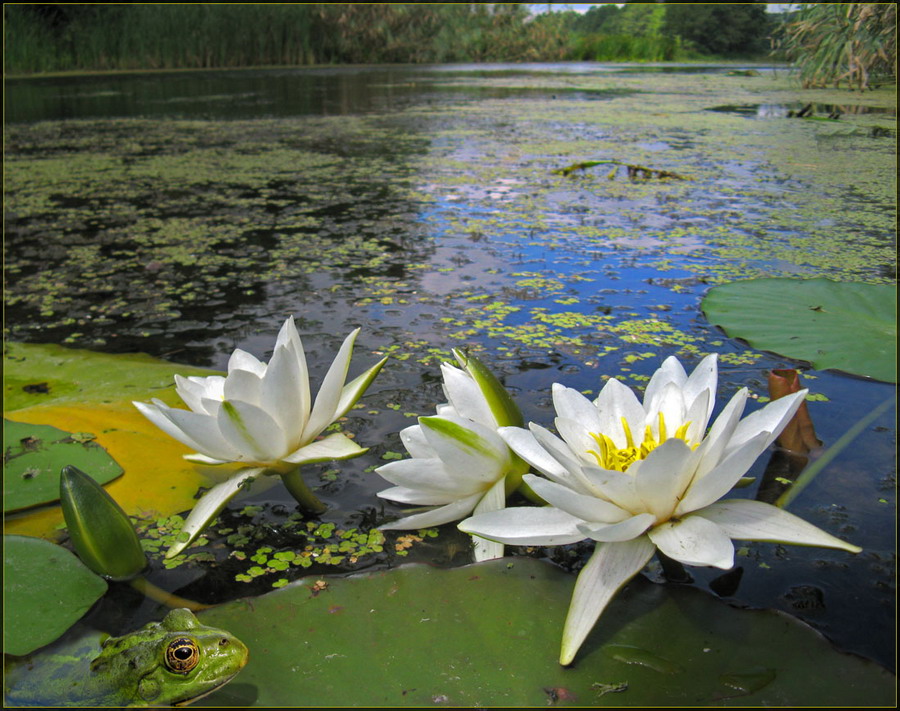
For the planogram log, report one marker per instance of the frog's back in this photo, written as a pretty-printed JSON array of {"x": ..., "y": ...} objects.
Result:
[{"x": 59, "y": 675}]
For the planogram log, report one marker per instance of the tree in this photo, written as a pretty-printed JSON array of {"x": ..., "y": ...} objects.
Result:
[{"x": 723, "y": 29}]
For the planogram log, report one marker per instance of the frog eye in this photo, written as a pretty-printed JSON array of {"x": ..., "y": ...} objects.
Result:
[{"x": 182, "y": 655}]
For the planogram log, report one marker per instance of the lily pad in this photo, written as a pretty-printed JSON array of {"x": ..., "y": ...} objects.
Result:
[
  {"x": 845, "y": 326},
  {"x": 51, "y": 375},
  {"x": 36, "y": 609},
  {"x": 86, "y": 392},
  {"x": 488, "y": 635},
  {"x": 34, "y": 455}
]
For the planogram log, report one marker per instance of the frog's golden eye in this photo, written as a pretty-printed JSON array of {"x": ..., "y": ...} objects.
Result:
[{"x": 182, "y": 655}]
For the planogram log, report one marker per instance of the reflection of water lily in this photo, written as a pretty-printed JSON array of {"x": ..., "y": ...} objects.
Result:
[
  {"x": 639, "y": 477},
  {"x": 262, "y": 414},
  {"x": 459, "y": 463}
]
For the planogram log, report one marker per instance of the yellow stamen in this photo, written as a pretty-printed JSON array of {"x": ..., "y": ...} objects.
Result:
[{"x": 609, "y": 456}]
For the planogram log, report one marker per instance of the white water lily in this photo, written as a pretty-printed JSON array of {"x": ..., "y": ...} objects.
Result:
[
  {"x": 259, "y": 414},
  {"x": 459, "y": 463},
  {"x": 636, "y": 477},
  {"x": 262, "y": 415}
]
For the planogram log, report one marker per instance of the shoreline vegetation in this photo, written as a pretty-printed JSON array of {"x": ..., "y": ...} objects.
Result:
[
  {"x": 847, "y": 44},
  {"x": 43, "y": 39}
]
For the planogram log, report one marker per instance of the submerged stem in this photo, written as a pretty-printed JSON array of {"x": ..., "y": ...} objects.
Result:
[
  {"x": 144, "y": 586},
  {"x": 300, "y": 491}
]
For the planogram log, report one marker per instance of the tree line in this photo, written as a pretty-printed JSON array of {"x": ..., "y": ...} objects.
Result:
[{"x": 90, "y": 37}]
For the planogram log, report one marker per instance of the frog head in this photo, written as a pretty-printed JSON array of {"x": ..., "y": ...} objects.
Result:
[{"x": 169, "y": 663}]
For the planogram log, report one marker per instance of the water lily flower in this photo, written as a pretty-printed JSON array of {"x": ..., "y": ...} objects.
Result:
[
  {"x": 262, "y": 415},
  {"x": 636, "y": 477},
  {"x": 459, "y": 463}
]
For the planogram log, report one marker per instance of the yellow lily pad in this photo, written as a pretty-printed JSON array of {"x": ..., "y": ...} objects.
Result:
[{"x": 86, "y": 392}]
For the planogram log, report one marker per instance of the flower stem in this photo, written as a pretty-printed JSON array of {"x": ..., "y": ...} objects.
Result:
[{"x": 300, "y": 491}]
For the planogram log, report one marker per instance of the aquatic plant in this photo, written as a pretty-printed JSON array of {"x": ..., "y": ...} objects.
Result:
[
  {"x": 262, "y": 415},
  {"x": 842, "y": 43},
  {"x": 636, "y": 477},
  {"x": 459, "y": 463}
]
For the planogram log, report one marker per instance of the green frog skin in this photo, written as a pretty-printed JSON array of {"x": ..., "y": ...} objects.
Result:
[{"x": 168, "y": 663}]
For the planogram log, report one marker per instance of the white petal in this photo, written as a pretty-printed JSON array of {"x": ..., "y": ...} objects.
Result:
[
  {"x": 203, "y": 459},
  {"x": 212, "y": 386},
  {"x": 615, "y": 486},
  {"x": 772, "y": 418},
  {"x": 572, "y": 405},
  {"x": 704, "y": 379},
  {"x": 669, "y": 402},
  {"x": 697, "y": 416},
  {"x": 469, "y": 450},
  {"x": 243, "y": 385},
  {"x": 757, "y": 521},
  {"x": 354, "y": 390},
  {"x": 694, "y": 541},
  {"x": 578, "y": 439},
  {"x": 200, "y": 432},
  {"x": 626, "y": 530},
  {"x": 663, "y": 476},
  {"x": 431, "y": 477},
  {"x": 435, "y": 517},
  {"x": 526, "y": 526},
  {"x": 290, "y": 338},
  {"x": 334, "y": 446},
  {"x": 193, "y": 389},
  {"x": 609, "y": 568},
  {"x": 493, "y": 500},
  {"x": 446, "y": 410},
  {"x": 671, "y": 372},
  {"x": 281, "y": 394},
  {"x": 252, "y": 431},
  {"x": 711, "y": 449},
  {"x": 242, "y": 360},
  {"x": 723, "y": 477},
  {"x": 420, "y": 497},
  {"x": 156, "y": 413},
  {"x": 466, "y": 397},
  {"x": 524, "y": 443},
  {"x": 587, "y": 508},
  {"x": 414, "y": 440},
  {"x": 570, "y": 462},
  {"x": 209, "y": 506},
  {"x": 615, "y": 402},
  {"x": 329, "y": 395}
]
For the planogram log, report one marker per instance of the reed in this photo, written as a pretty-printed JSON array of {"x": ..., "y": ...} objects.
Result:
[{"x": 842, "y": 43}]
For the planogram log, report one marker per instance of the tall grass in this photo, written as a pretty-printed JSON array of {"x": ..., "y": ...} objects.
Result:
[
  {"x": 148, "y": 36},
  {"x": 842, "y": 43}
]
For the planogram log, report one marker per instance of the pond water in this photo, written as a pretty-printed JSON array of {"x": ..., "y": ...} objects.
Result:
[{"x": 184, "y": 214}]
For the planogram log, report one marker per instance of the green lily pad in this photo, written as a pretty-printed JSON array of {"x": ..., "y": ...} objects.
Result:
[
  {"x": 845, "y": 326},
  {"x": 46, "y": 589},
  {"x": 489, "y": 635},
  {"x": 81, "y": 392},
  {"x": 42, "y": 375},
  {"x": 34, "y": 455}
]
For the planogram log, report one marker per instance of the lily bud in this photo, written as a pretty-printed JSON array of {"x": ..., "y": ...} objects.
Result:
[{"x": 101, "y": 532}]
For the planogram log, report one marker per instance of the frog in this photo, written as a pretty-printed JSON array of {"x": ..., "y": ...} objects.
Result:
[{"x": 169, "y": 663}]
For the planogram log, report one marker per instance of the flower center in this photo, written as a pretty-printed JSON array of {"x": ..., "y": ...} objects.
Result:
[{"x": 609, "y": 456}]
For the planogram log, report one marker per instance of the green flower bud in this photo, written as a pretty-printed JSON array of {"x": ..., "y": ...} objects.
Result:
[{"x": 101, "y": 532}]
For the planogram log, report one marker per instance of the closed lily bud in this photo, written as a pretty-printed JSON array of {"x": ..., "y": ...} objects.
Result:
[{"x": 101, "y": 531}]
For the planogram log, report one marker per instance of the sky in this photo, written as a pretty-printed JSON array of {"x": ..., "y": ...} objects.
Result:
[{"x": 538, "y": 8}]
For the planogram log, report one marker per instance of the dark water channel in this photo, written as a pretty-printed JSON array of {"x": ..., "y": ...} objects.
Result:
[{"x": 184, "y": 214}]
